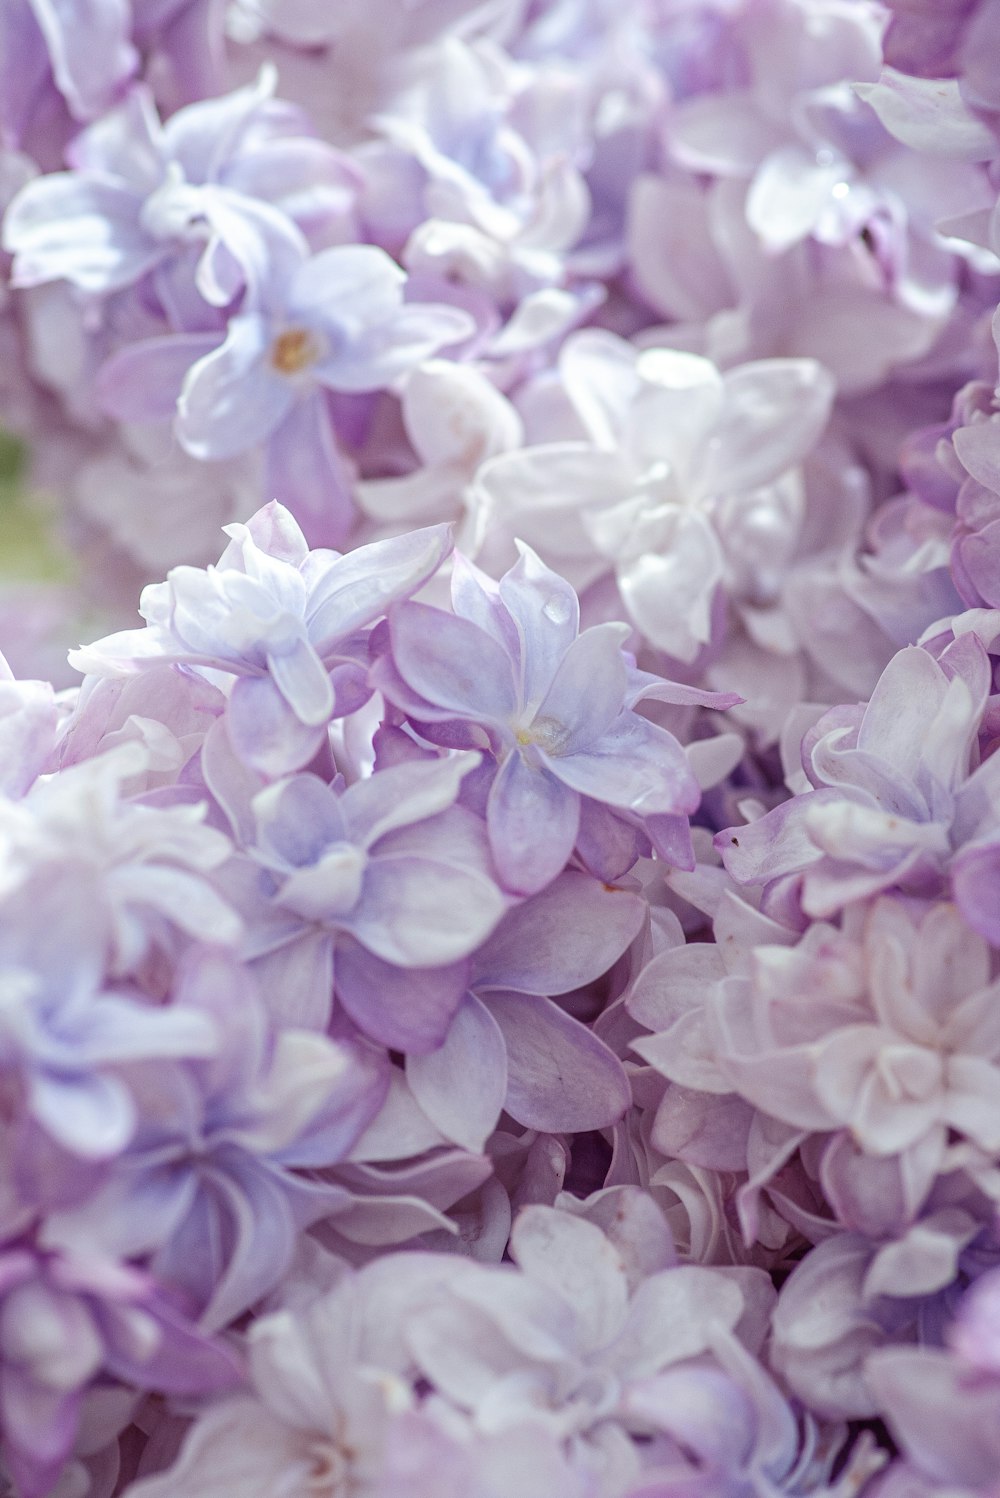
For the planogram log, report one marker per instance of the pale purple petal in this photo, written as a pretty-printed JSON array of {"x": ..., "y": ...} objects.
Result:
[
  {"x": 566, "y": 936},
  {"x": 418, "y": 912},
  {"x": 264, "y": 730},
  {"x": 143, "y": 381},
  {"x": 360, "y": 586},
  {"x": 635, "y": 765},
  {"x": 533, "y": 820},
  {"x": 452, "y": 664},
  {"x": 462, "y": 1085},
  {"x": 232, "y": 399},
  {"x": 405, "y": 1010},
  {"x": 306, "y": 473},
  {"x": 586, "y": 692},
  {"x": 560, "y": 1075},
  {"x": 87, "y": 231}
]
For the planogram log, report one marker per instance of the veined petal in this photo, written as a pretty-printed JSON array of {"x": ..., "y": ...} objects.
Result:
[
  {"x": 588, "y": 689},
  {"x": 532, "y": 820},
  {"x": 560, "y": 1076},
  {"x": 546, "y": 615},
  {"x": 453, "y": 664},
  {"x": 566, "y": 936},
  {"x": 635, "y": 765},
  {"x": 409, "y": 1010},
  {"x": 381, "y": 354},
  {"x": 265, "y": 731},
  {"x": 358, "y": 588}
]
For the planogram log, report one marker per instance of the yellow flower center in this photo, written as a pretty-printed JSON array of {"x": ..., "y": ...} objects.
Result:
[{"x": 294, "y": 350}]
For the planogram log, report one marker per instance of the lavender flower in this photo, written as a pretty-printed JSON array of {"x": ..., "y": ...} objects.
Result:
[
  {"x": 507, "y": 669},
  {"x": 285, "y": 625}
]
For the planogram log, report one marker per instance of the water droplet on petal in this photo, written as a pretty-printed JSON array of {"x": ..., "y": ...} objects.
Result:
[{"x": 556, "y": 608}]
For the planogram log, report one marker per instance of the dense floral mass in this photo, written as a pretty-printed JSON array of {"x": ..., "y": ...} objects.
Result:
[{"x": 500, "y": 958}]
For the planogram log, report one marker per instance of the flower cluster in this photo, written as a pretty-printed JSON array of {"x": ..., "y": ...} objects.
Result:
[{"x": 500, "y": 968}]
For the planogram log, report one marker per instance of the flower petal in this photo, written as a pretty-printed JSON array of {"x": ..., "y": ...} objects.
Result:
[{"x": 560, "y": 1075}]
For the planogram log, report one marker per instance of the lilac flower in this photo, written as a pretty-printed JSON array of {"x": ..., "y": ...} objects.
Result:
[
  {"x": 142, "y": 195},
  {"x": 86, "y": 51},
  {"x": 64, "y": 1035},
  {"x": 334, "y": 1408},
  {"x": 208, "y": 1191},
  {"x": 335, "y": 321},
  {"x": 588, "y": 1341},
  {"x": 379, "y": 892},
  {"x": 67, "y": 1321},
  {"x": 147, "y": 872},
  {"x": 683, "y": 487},
  {"x": 508, "y": 1047},
  {"x": 496, "y": 211},
  {"x": 902, "y": 1048},
  {"x": 508, "y": 668},
  {"x": 284, "y": 624},
  {"x": 896, "y": 789}
]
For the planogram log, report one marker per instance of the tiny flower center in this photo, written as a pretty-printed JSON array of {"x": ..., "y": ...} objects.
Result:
[
  {"x": 545, "y": 732},
  {"x": 294, "y": 350}
]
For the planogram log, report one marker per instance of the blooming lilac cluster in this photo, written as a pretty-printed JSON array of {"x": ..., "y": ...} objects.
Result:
[{"x": 500, "y": 970}]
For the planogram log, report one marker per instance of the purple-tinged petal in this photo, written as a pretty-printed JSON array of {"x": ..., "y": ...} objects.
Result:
[
  {"x": 929, "y": 115},
  {"x": 574, "y": 1261},
  {"x": 236, "y": 1446},
  {"x": 406, "y": 1010},
  {"x": 546, "y": 614},
  {"x": 671, "y": 839},
  {"x": 296, "y": 980},
  {"x": 419, "y": 912},
  {"x": 90, "y": 1115},
  {"x": 941, "y": 1416},
  {"x": 303, "y": 681},
  {"x": 143, "y": 382},
  {"x": 360, "y": 586},
  {"x": 775, "y": 844},
  {"x": 586, "y": 692},
  {"x": 675, "y": 1315},
  {"x": 182, "y": 1360},
  {"x": 775, "y": 412},
  {"x": 566, "y": 936},
  {"x": 975, "y": 881},
  {"x": 305, "y": 472},
  {"x": 533, "y": 820},
  {"x": 85, "y": 231},
  {"x": 24, "y": 71},
  {"x": 452, "y": 664},
  {"x": 382, "y": 354},
  {"x": 403, "y": 794},
  {"x": 635, "y": 765},
  {"x": 232, "y": 399},
  {"x": 462, "y": 1085},
  {"x": 90, "y": 50},
  {"x": 264, "y": 731},
  {"x": 360, "y": 280},
  {"x": 560, "y": 1077}
]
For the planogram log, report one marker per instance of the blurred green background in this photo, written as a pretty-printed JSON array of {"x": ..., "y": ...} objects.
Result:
[{"x": 28, "y": 551}]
